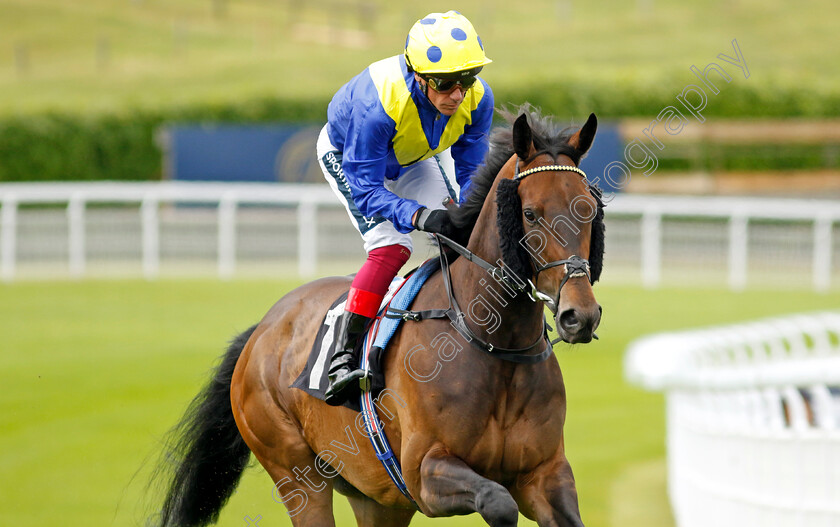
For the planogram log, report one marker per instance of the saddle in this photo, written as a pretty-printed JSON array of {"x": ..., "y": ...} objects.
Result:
[{"x": 402, "y": 291}]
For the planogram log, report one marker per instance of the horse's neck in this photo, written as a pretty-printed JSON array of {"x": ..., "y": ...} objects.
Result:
[{"x": 497, "y": 312}]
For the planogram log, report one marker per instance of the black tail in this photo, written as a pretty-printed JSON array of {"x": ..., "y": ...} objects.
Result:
[{"x": 205, "y": 451}]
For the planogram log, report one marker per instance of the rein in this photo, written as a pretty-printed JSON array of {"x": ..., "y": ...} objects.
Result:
[{"x": 458, "y": 317}]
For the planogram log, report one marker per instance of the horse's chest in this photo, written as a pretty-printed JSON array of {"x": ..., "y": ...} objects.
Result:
[
  {"x": 512, "y": 447},
  {"x": 500, "y": 425}
]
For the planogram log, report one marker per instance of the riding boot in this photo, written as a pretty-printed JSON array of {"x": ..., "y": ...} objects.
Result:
[{"x": 344, "y": 372}]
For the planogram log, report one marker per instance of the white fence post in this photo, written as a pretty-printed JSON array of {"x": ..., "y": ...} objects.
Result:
[
  {"x": 8, "y": 234},
  {"x": 227, "y": 236},
  {"x": 150, "y": 226},
  {"x": 651, "y": 248},
  {"x": 822, "y": 253},
  {"x": 307, "y": 238},
  {"x": 738, "y": 240},
  {"x": 76, "y": 235}
]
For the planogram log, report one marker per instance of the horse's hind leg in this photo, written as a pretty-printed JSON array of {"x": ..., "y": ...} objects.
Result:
[
  {"x": 280, "y": 448},
  {"x": 371, "y": 514},
  {"x": 306, "y": 494},
  {"x": 450, "y": 487},
  {"x": 307, "y": 497}
]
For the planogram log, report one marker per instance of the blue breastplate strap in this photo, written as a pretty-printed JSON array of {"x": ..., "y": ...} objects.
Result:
[{"x": 384, "y": 329}]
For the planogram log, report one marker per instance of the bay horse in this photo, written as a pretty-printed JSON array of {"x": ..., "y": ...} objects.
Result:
[{"x": 472, "y": 432}]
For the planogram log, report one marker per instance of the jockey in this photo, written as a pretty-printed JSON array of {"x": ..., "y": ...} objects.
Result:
[{"x": 381, "y": 152}]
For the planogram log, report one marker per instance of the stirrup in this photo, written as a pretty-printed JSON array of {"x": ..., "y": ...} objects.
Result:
[{"x": 338, "y": 393}]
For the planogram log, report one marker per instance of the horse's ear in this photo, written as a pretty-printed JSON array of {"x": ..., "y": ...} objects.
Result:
[
  {"x": 582, "y": 140},
  {"x": 522, "y": 137}
]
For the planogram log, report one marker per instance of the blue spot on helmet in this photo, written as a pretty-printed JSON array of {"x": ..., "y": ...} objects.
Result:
[
  {"x": 480, "y": 44},
  {"x": 459, "y": 34},
  {"x": 434, "y": 53},
  {"x": 428, "y": 21}
]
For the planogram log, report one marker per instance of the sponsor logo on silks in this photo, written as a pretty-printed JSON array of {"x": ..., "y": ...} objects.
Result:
[
  {"x": 332, "y": 161},
  {"x": 333, "y": 164}
]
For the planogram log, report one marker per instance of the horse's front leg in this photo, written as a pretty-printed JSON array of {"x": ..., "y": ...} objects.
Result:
[
  {"x": 548, "y": 495},
  {"x": 449, "y": 487}
]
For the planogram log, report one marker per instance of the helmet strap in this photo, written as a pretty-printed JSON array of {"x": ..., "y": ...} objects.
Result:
[
  {"x": 411, "y": 69},
  {"x": 424, "y": 85}
]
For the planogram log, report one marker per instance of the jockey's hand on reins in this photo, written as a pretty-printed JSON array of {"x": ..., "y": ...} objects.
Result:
[{"x": 434, "y": 221}]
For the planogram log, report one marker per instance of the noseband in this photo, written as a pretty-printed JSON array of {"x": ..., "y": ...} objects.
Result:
[{"x": 575, "y": 266}]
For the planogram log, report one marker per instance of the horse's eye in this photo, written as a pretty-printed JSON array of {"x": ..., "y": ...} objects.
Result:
[{"x": 529, "y": 215}]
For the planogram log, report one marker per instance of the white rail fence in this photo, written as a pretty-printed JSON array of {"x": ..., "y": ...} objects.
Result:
[
  {"x": 738, "y": 241},
  {"x": 148, "y": 200},
  {"x": 753, "y": 420}
]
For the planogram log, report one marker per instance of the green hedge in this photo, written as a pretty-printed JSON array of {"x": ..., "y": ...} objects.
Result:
[
  {"x": 117, "y": 147},
  {"x": 64, "y": 148},
  {"x": 735, "y": 100},
  {"x": 55, "y": 147}
]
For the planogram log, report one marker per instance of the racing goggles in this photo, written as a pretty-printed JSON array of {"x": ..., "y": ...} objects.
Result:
[{"x": 446, "y": 85}]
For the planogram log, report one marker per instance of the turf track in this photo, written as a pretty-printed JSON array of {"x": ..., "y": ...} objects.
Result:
[{"x": 94, "y": 372}]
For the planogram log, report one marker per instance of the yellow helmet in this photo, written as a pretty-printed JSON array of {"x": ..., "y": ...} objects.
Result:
[{"x": 444, "y": 43}]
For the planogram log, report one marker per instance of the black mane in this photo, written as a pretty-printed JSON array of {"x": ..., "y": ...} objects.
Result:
[{"x": 547, "y": 137}]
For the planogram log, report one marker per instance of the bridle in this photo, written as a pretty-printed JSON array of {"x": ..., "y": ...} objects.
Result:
[{"x": 575, "y": 266}]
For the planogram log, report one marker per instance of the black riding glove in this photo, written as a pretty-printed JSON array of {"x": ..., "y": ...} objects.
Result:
[{"x": 434, "y": 221}]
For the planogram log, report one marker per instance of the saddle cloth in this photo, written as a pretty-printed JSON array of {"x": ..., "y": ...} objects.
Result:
[{"x": 314, "y": 377}]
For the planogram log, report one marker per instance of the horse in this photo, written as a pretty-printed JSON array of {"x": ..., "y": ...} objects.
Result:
[{"x": 475, "y": 419}]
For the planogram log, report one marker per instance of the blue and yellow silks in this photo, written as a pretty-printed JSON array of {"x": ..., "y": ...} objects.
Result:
[{"x": 381, "y": 121}]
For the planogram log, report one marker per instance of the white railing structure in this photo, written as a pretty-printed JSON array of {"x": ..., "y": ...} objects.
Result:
[
  {"x": 650, "y": 237},
  {"x": 150, "y": 197},
  {"x": 737, "y": 213},
  {"x": 753, "y": 420}
]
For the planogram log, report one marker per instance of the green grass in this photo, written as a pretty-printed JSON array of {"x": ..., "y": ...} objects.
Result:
[
  {"x": 155, "y": 53},
  {"x": 93, "y": 373}
]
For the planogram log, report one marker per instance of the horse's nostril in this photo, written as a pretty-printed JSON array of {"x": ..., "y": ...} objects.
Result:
[{"x": 569, "y": 320}]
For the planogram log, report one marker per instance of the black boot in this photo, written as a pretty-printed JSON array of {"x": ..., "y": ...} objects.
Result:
[{"x": 344, "y": 370}]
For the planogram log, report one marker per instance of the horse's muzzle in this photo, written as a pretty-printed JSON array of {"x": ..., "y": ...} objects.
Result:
[{"x": 577, "y": 326}]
